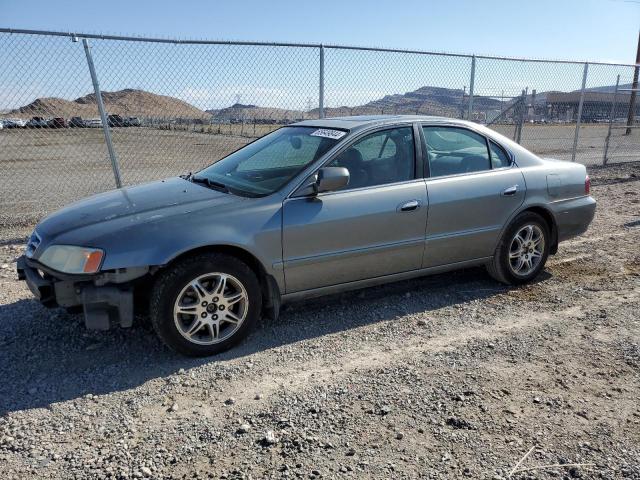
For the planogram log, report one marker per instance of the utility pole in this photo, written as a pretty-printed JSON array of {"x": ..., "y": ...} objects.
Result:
[{"x": 634, "y": 88}]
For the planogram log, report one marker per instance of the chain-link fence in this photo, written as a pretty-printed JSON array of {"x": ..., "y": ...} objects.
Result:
[{"x": 173, "y": 106}]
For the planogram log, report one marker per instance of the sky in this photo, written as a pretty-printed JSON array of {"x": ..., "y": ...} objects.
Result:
[
  {"x": 216, "y": 76},
  {"x": 605, "y": 30}
]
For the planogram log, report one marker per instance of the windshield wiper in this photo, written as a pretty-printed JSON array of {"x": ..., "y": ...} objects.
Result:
[
  {"x": 221, "y": 186},
  {"x": 210, "y": 183}
]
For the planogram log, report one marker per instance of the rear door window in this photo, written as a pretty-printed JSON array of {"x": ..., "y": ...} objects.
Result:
[
  {"x": 455, "y": 151},
  {"x": 499, "y": 158}
]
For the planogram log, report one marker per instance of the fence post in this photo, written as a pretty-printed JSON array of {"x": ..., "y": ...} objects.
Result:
[
  {"x": 321, "y": 85},
  {"x": 579, "y": 119},
  {"x": 516, "y": 117},
  {"x": 103, "y": 114},
  {"x": 471, "y": 84},
  {"x": 613, "y": 111},
  {"x": 634, "y": 91},
  {"x": 523, "y": 106}
]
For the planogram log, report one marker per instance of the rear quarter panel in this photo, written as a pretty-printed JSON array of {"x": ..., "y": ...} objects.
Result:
[{"x": 558, "y": 187}]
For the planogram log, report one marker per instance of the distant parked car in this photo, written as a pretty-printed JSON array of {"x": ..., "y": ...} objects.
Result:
[
  {"x": 14, "y": 123},
  {"x": 58, "y": 122},
  {"x": 313, "y": 208},
  {"x": 93, "y": 123},
  {"x": 76, "y": 122},
  {"x": 132, "y": 122},
  {"x": 116, "y": 121},
  {"x": 38, "y": 122}
]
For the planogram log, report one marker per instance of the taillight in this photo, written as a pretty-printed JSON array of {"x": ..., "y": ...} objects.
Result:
[{"x": 587, "y": 185}]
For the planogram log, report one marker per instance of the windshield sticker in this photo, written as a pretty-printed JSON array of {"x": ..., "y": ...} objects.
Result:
[{"x": 325, "y": 132}]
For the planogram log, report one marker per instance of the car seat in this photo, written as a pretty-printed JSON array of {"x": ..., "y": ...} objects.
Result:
[
  {"x": 351, "y": 159},
  {"x": 403, "y": 159},
  {"x": 474, "y": 163}
]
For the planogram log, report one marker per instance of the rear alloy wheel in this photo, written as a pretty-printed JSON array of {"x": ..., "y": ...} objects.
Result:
[
  {"x": 526, "y": 250},
  {"x": 205, "y": 304},
  {"x": 522, "y": 251}
]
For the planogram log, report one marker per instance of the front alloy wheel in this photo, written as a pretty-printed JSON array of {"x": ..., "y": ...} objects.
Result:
[
  {"x": 205, "y": 304},
  {"x": 210, "y": 308}
]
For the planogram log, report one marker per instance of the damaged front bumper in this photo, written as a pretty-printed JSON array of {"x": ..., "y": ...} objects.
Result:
[{"x": 106, "y": 298}]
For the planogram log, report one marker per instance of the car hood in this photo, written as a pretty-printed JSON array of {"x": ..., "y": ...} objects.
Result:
[{"x": 138, "y": 204}]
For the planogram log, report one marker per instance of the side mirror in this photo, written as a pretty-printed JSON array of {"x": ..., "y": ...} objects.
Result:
[
  {"x": 308, "y": 188},
  {"x": 326, "y": 180},
  {"x": 332, "y": 178}
]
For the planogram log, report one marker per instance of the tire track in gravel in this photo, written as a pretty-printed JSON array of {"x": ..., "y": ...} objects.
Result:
[
  {"x": 271, "y": 382},
  {"x": 372, "y": 356}
]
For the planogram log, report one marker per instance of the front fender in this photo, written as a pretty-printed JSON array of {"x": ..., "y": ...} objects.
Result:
[{"x": 255, "y": 228}]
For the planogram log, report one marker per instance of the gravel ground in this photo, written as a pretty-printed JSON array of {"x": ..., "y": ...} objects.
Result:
[{"x": 449, "y": 376}]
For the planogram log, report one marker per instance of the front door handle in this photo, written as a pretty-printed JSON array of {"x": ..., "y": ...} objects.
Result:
[
  {"x": 409, "y": 206},
  {"x": 511, "y": 191}
]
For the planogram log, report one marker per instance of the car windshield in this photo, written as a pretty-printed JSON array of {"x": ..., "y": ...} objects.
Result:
[{"x": 266, "y": 165}]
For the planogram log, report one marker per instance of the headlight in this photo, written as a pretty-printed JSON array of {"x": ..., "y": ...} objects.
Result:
[{"x": 70, "y": 259}]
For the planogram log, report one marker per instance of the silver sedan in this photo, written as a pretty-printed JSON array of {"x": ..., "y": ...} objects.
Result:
[{"x": 317, "y": 207}]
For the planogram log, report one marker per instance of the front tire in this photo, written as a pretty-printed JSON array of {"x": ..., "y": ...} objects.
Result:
[
  {"x": 205, "y": 304},
  {"x": 522, "y": 251}
]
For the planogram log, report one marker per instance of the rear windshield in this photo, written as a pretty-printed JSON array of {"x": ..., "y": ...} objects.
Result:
[{"x": 266, "y": 165}]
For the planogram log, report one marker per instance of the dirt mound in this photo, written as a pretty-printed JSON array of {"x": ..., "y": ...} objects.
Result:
[
  {"x": 127, "y": 102},
  {"x": 251, "y": 113},
  {"x": 54, "y": 107}
]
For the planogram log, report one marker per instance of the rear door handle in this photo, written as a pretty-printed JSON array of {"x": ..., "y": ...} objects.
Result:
[
  {"x": 409, "y": 206},
  {"x": 511, "y": 191}
]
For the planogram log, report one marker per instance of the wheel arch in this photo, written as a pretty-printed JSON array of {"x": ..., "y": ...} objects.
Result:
[
  {"x": 494, "y": 265},
  {"x": 269, "y": 286},
  {"x": 551, "y": 223}
]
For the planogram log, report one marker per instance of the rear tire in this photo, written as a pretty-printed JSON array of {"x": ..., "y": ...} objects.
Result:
[
  {"x": 205, "y": 304},
  {"x": 523, "y": 250}
]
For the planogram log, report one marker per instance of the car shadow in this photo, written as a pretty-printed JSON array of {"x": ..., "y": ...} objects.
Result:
[{"x": 47, "y": 356}]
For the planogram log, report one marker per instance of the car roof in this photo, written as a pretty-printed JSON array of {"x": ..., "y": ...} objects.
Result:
[
  {"x": 358, "y": 122},
  {"x": 361, "y": 122}
]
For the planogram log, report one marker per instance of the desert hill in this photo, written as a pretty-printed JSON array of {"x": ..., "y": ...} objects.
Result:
[
  {"x": 425, "y": 101},
  {"x": 249, "y": 113},
  {"x": 129, "y": 102},
  {"x": 133, "y": 102}
]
